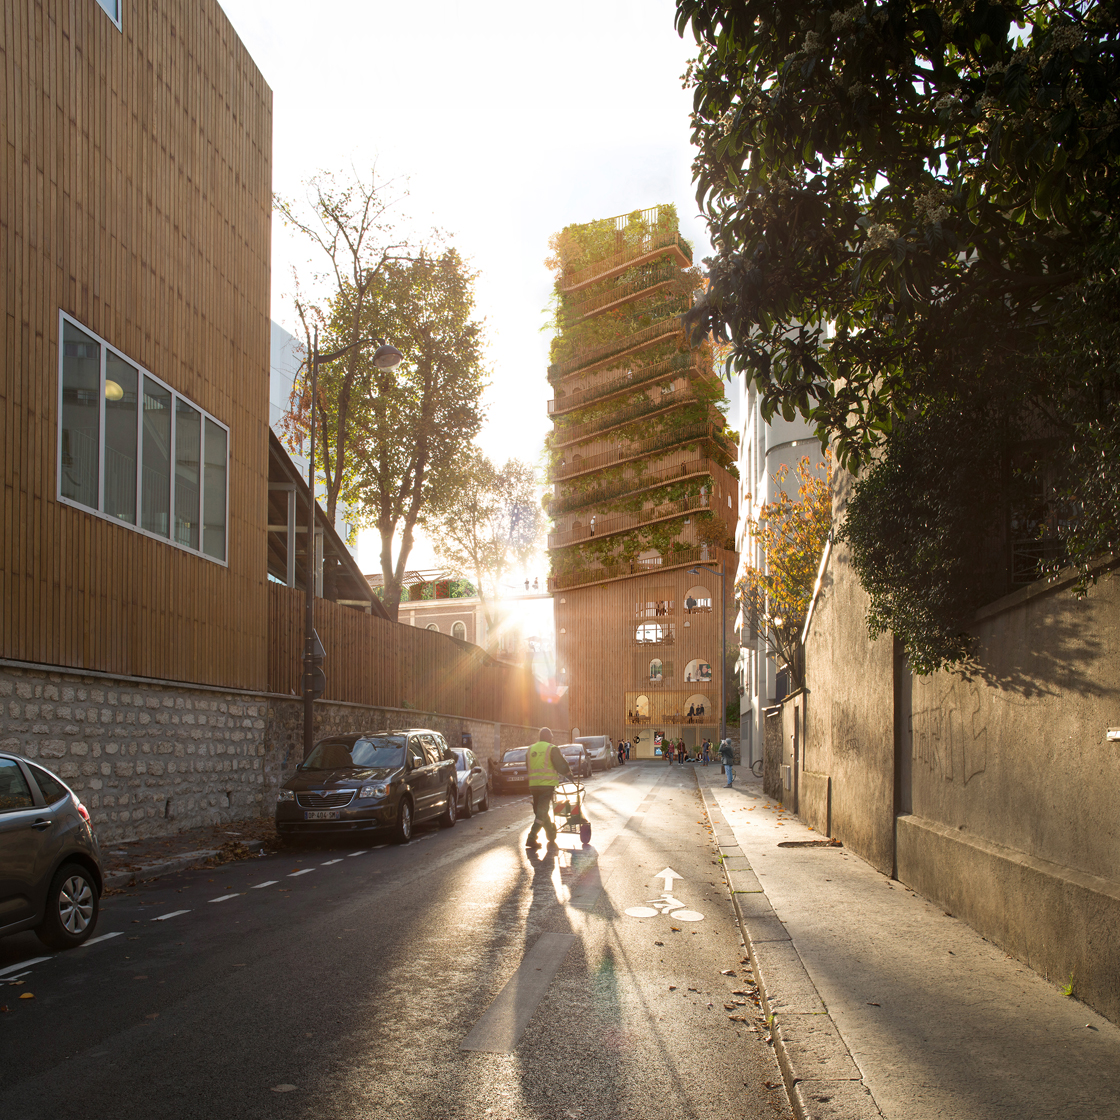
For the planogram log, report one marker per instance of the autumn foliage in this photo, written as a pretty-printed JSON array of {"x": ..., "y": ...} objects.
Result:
[{"x": 792, "y": 531}]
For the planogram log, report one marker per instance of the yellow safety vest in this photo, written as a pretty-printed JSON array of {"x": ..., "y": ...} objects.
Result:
[{"x": 541, "y": 772}]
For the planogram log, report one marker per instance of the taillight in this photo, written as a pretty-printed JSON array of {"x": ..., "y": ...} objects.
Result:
[{"x": 84, "y": 811}]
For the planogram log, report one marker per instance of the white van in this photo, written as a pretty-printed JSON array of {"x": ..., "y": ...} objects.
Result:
[{"x": 599, "y": 750}]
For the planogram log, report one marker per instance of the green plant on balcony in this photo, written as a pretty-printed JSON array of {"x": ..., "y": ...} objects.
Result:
[{"x": 576, "y": 246}]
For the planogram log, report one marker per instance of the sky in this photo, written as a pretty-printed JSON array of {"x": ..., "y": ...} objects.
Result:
[{"x": 508, "y": 121}]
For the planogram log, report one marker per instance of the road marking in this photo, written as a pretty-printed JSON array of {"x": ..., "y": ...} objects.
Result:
[
  {"x": 305, "y": 871},
  {"x": 226, "y": 897},
  {"x": 266, "y": 883},
  {"x": 103, "y": 937},
  {"x": 504, "y": 1021},
  {"x": 173, "y": 914},
  {"x": 668, "y": 875},
  {"x": 330, "y": 861},
  {"x": 361, "y": 853},
  {"x": 24, "y": 964}
]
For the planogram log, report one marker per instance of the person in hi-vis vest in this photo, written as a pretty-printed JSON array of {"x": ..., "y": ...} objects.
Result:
[{"x": 546, "y": 767}]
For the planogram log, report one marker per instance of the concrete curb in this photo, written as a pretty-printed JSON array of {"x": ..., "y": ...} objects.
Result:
[
  {"x": 822, "y": 1079},
  {"x": 182, "y": 862}
]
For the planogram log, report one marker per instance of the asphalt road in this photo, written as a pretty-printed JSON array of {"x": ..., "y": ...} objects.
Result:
[{"x": 453, "y": 977}]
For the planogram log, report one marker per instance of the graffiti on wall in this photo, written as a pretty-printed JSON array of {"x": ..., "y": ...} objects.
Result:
[{"x": 950, "y": 735}]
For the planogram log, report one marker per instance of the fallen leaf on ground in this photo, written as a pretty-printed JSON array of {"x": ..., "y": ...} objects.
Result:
[
  {"x": 727, "y": 972},
  {"x": 283, "y": 1088},
  {"x": 26, "y": 995}
]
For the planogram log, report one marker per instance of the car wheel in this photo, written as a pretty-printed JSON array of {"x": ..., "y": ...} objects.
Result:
[
  {"x": 402, "y": 833},
  {"x": 468, "y": 810},
  {"x": 71, "y": 908},
  {"x": 449, "y": 813},
  {"x": 484, "y": 803}
]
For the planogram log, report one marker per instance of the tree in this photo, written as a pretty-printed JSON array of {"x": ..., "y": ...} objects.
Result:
[
  {"x": 914, "y": 207},
  {"x": 489, "y": 522},
  {"x": 792, "y": 532},
  {"x": 422, "y": 417},
  {"x": 348, "y": 225}
]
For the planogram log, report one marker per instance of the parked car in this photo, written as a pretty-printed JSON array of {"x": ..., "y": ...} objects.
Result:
[
  {"x": 50, "y": 862},
  {"x": 599, "y": 750},
  {"x": 513, "y": 772},
  {"x": 378, "y": 780},
  {"x": 473, "y": 793},
  {"x": 577, "y": 758}
]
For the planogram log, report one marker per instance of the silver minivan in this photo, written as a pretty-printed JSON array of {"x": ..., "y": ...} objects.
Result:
[
  {"x": 598, "y": 750},
  {"x": 50, "y": 862}
]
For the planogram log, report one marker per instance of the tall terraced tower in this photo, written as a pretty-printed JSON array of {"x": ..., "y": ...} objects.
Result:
[{"x": 644, "y": 498}]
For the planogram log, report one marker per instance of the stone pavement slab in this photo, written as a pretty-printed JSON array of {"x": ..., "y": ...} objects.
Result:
[{"x": 938, "y": 1023}]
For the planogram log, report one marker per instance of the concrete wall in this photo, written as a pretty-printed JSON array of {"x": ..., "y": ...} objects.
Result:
[
  {"x": 991, "y": 792},
  {"x": 152, "y": 759}
]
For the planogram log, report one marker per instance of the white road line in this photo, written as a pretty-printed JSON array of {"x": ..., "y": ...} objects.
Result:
[
  {"x": 507, "y": 1017},
  {"x": 330, "y": 861},
  {"x": 226, "y": 897},
  {"x": 173, "y": 914},
  {"x": 22, "y": 965},
  {"x": 266, "y": 883},
  {"x": 305, "y": 871},
  {"x": 103, "y": 937},
  {"x": 361, "y": 853}
]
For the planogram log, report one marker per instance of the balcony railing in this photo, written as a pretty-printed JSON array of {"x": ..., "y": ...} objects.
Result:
[
  {"x": 700, "y": 465},
  {"x": 665, "y": 327},
  {"x": 646, "y": 248},
  {"x": 652, "y": 280},
  {"x": 631, "y": 379},
  {"x": 654, "y": 634},
  {"x": 622, "y": 522},
  {"x": 561, "y": 437},
  {"x": 581, "y": 577},
  {"x": 684, "y": 434}
]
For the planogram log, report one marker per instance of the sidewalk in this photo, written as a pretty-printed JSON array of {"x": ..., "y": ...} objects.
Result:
[{"x": 886, "y": 1006}]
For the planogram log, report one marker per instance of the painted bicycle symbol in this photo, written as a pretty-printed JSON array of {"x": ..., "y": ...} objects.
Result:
[{"x": 665, "y": 903}]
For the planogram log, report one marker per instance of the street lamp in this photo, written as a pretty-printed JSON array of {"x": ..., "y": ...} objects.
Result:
[
  {"x": 314, "y": 681},
  {"x": 723, "y": 645}
]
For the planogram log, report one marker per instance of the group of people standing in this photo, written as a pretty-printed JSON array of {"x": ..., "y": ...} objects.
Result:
[{"x": 671, "y": 749}]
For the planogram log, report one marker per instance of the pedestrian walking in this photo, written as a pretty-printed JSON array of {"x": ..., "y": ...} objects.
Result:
[
  {"x": 546, "y": 767},
  {"x": 707, "y": 754},
  {"x": 727, "y": 756},
  {"x": 621, "y": 752}
]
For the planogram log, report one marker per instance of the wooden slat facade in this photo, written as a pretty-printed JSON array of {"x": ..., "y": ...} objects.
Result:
[
  {"x": 370, "y": 660},
  {"x": 135, "y": 196}
]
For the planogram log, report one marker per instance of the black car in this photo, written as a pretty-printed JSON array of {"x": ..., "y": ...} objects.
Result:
[
  {"x": 577, "y": 758},
  {"x": 513, "y": 771},
  {"x": 378, "y": 780},
  {"x": 50, "y": 862}
]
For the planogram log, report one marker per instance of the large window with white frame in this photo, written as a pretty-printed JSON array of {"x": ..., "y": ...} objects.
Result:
[{"x": 135, "y": 451}]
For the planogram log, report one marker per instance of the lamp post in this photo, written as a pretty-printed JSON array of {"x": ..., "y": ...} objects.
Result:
[
  {"x": 723, "y": 644},
  {"x": 314, "y": 681}
]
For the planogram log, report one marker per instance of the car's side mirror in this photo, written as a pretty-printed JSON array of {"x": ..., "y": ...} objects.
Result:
[{"x": 476, "y": 769}]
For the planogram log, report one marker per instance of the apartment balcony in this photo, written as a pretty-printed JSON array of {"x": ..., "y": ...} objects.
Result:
[
  {"x": 641, "y": 251},
  {"x": 624, "y": 522},
  {"x": 653, "y": 279},
  {"x": 650, "y": 634},
  {"x": 686, "y": 558},
  {"x": 686, "y": 433},
  {"x": 670, "y": 398},
  {"x": 700, "y": 465},
  {"x": 669, "y": 326},
  {"x": 630, "y": 380}
]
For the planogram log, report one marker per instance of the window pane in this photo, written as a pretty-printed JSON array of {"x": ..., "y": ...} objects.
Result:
[
  {"x": 81, "y": 416},
  {"x": 15, "y": 793},
  {"x": 157, "y": 459},
  {"x": 188, "y": 441},
  {"x": 113, "y": 8},
  {"x": 121, "y": 384},
  {"x": 214, "y": 513},
  {"x": 49, "y": 786}
]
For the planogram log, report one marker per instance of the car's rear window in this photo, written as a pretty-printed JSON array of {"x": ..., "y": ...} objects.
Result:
[
  {"x": 372, "y": 751},
  {"x": 517, "y": 755}
]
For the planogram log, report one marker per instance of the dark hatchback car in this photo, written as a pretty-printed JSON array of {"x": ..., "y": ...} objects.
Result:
[
  {"x": 513, "y": 772},
  {"x": 50, "y": 863},
  {"x": 577, "y": 758},
  {"x": 383, "y": 780}
]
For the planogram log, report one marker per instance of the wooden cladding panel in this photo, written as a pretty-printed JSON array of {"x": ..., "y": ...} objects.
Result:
[
  {"x": 135, "y": 194},
  {"x": 370, "y": 660},
  {"x": 595, "y": 628}
]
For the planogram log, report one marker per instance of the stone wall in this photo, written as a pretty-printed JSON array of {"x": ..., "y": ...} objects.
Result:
[
  {"x": 152, "y": 759},
  {"x": 146, "y": 759}
]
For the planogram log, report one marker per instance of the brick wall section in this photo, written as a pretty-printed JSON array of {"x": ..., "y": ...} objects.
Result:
[{"x": 150, "y": 759}]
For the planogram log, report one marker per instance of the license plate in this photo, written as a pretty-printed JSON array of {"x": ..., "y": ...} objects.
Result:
[{"x": 321, "y": 815}]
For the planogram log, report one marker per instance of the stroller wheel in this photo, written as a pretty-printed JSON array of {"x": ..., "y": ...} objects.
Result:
[{"x": 585, "y": 833}]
